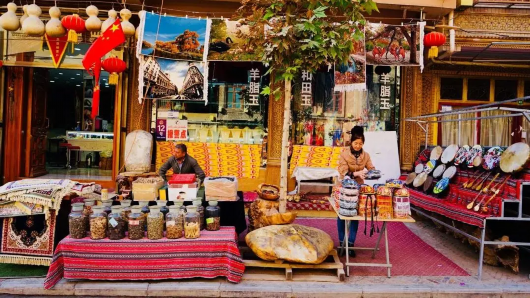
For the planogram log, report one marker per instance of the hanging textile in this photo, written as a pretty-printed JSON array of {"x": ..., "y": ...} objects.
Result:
[
  {"x": 394, "y": 44},
  {"x": 496, "y": 131},
  {"x": 352, "y": 74}
]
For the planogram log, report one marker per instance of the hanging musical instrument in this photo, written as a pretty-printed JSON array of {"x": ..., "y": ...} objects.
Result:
[
  {"x": 410, "y": 178},
  {"x": 436, "y": 153},
  {"x": 472, "y": 181},
  {"x": 484, "y": 190},
  {"x": 461, "y": 155},
  {"x": 492, "y": 190},
  {"x": 449, "y": 153},
  {"x": 475, "y": 186},
  {"x": 420, "y": 179},
  {"x": 438, "y": 172},
  {"x": 492, "y": 158}
]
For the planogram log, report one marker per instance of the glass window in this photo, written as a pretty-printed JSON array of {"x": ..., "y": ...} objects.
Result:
[
  {"x": 478, "y": 89},
  {"x": 451, "y": 88},
  {"x": 505, "y": 89}
]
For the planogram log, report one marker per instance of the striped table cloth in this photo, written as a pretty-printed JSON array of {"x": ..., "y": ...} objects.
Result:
[{"x": 214, "y": 254}]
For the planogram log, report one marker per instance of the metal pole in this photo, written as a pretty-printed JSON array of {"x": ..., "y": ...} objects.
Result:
[
  {"x": 481, "y": 253},
  {"x": 426, "y": 135},
  {"x": 346, "y": 233},
  {"x": 386, "y": 249},
  {"x": 459, "y": 129},
  {"x": 378, "y": 241}
]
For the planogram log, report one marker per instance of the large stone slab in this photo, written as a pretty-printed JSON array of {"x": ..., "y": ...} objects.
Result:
[{"x": 293, "y": 243}]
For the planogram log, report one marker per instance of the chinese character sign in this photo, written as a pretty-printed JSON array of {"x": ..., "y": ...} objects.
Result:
[
  {"x": 254, "y": 87},
  {"x": 177, "y": 130},
  {"x": 384, "y": 93},
  {"x": 307, "y": 79}
]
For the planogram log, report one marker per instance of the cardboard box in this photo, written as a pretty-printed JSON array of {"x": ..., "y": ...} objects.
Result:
[
  {"x": 146, "y": 191},
  {"x": 189, "y": 191}
]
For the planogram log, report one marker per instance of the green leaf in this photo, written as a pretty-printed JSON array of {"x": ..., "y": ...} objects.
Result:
[
  {"x": 268, "y": 15},
  {"x": 266, "y": 91}
]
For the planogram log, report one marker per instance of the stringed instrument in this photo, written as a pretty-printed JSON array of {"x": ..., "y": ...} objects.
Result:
[
  {"x": 484, "y": 190},
  {"x": 472, "y": 180},
  {"x": 480, "y": 182},
  {"x": 484, "y": 207},
  {"x": 493, "y": 191}
]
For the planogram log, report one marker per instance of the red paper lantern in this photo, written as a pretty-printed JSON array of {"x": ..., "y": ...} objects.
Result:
[
  {"x": 114, "y": 66},
  {"x": 75, "y": 25},
  {"x": 434, "y": 40}
]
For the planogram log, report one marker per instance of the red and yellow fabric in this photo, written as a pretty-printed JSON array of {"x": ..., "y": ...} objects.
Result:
[
  {"x": 314, "y": 156},
  {"x": 214, "y": 254},
  {"x": 242, "y": 161}
]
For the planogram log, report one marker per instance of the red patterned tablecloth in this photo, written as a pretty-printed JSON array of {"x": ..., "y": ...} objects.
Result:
[
  {"x": 214, "y": 254},
  {"x": 443, "y": 207}
]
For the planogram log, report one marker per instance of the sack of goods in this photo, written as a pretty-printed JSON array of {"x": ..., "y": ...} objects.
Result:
[
  {"x": 146, "y": 188},
  {"x": 223, "y": 188}
]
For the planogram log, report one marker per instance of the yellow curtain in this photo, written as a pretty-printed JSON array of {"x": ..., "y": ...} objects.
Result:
[
  {"x": 497, "y": 131},
  {"x": 467, "y": 130},
  {"x": 526, "y": 130}
]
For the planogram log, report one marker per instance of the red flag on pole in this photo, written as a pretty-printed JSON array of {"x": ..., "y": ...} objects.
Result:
[{"x": 110, "y": 39}]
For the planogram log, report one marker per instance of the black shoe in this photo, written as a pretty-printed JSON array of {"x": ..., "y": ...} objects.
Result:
[{"x": 351, "y": 253}]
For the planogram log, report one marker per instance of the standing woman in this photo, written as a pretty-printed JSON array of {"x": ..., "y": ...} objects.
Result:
[{"x": 353, "y": 163}]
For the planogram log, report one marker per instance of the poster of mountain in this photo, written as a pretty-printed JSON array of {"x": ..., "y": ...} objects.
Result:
[{"x": 175, "y": 37}]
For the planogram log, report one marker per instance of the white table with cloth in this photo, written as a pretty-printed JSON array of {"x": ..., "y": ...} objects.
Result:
[{"x": 312, "y": 175}]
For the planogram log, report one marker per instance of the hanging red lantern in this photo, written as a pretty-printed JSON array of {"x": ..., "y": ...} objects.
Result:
[
  {"x": 75, "y": 25},
  {"x": 434, "y": 40},
  {"x": 114, "y": 66}
]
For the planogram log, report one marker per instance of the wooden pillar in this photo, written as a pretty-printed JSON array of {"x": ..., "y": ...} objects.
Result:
[
  {"x": 417, "y": 99},
  {"x": 274, "y": 139},
  {"x": 138, "y": 114}
]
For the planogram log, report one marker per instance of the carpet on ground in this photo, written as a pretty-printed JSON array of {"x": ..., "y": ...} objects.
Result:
[{"x": 409, "y": 255}]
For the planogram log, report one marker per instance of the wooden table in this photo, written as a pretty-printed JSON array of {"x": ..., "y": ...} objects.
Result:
[{"x": 345, "y": 244}]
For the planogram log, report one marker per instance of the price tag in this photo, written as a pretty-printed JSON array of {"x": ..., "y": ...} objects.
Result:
[
  {"x": 134, "y": 222},
  {"x": 113, "y": 222},
  {"x": 170, "y": 223},
  {"x": 209, "y": 220}
]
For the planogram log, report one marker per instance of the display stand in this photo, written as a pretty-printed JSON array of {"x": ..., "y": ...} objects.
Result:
[
  {"x": 423, "y": 121},
  {"x": 374, "y": 250}
]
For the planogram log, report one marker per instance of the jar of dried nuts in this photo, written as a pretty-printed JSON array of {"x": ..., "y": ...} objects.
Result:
[
  {"x": 213, "y": 216},
  {"x": 116, "y": 224},
  {"x": 137, "y": 222},
  {"x": 200, "y": 210},
  {"x": 126, "y": 210},
  {"x": 174, "y": 223},
  {"x": 87, "y": 211},
  {"x": 192, "y": 228},
  {"x": 163, "y": 207},
  {"x": 77, "y": 222},
  {"x": 155, "y": 223},
  {"x": 106, "y": 206},
  {"x": 98, "y": 223}
]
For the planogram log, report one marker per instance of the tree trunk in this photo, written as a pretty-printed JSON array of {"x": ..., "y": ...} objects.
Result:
[{"x": 285, "y": 147}]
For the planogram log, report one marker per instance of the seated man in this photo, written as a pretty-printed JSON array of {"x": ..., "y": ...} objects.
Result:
[{"x": 181, "y": 163}]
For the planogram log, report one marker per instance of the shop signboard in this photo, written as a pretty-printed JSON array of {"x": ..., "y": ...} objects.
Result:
[
  {"x": 176, "y": 130},
  {"x": 161, "y": 129}
]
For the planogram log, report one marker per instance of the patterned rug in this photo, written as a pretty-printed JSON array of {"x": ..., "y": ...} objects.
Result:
[
  {"x": 28, "y": 240},
  {"x": 242, "y": 161}
]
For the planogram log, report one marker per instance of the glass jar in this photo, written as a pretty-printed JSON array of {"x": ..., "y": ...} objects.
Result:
[
  {"x": 145, "y": 212},
  {"x": 192, "y": 228},
  {"x": 107, "y": 204},
  {"x": 163, "y": 207},
  {"x": 213, "y": 216},
  {"x": 77, "y": 222},
  {"x": 104, "y": 194},
  {"x": 155, "y": 223},
  {"x": 181, "y": 206},
  {"x": 126, "y": 209},
  {"x": 98, "y": 223},
  {"x": 116, "y": 224},
  {"x": 174, "y": 223},
  {"x": 137, "y": 221},
  {"x": 200, "y": 211},
  {"x": 87, "y": 210}
]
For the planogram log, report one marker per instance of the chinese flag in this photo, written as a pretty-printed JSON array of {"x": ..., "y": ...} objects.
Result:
[{"x": 110, "y": 39}]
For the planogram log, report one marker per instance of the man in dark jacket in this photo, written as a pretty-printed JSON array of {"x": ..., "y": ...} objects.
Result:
[{"x": 181, "y": 163}]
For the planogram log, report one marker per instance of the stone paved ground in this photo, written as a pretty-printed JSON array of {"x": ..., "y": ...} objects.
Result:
[{"x": 496, "y": 282}]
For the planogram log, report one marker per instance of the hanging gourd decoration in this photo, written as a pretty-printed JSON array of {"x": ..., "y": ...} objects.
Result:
[
  {"x": 75, "y": 25},
  {"x": 33, "y": 26},
  {"x": 108, "y": 22},
  {"x": 113, "y": 66},
  {"x": 128, "y": 28},
  {"x": 9, "y": 20},
  {"x": 434, "y": 40},
  {"x": 25, "y": 15},
  {"x": 93, "y": 23},
  {"x": 141, "y": 15},
  {"x": 54, "y": 28}
]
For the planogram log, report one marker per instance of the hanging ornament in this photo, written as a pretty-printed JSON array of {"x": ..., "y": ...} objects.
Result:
[
  {"x": 114, "y": 66},
  {"x": 141, "y": 15},
  {"x": 9, "y": 20},
  {"x": 75, "y": 25},
  {"x": 33, "y": 26},
  {"x": 54, "y": 28},
  {"x": 108, "y": 22},
  {"x": 128, "y": 28},
  {"x": 25, "y": 15},
  {"x": 93, "y": 23},
  {"x": 434, "y": 40}
]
